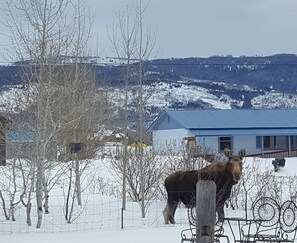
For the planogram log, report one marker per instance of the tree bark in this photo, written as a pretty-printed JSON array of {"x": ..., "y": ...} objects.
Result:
[
  {"x": 39, "y": 191},
  {"x": 77, "y": 182}
]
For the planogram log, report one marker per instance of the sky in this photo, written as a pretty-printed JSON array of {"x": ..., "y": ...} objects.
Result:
[
  {"x": 212, "y": 27},
  {"x": 202, "y": 28}
]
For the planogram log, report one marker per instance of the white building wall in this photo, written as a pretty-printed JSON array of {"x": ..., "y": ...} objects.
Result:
[
  {"x": 209, "y": 143},
  {"x": 165, "y": 139},
  {"x": 246, "y": 142},
  {"x": 174, "y": 139},
  {"x": 249, "y": 143},
  {"x": 239, "y": 142}
]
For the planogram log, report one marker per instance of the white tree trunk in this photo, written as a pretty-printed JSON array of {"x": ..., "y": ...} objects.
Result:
[
  {"x": 64, "y": 97},
  {"x": 28, "y": 213},
  {"x": 77, "y": 183},
  {"x": 4, "y": 206},
  {"x": 39, "y": 190},
  {"x": 46, "y": 198}
]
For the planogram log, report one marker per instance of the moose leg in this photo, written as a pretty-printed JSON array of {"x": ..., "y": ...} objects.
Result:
[
  {"x": 166, "y": 214},
  {"x": 169, "y": 212},
  {"x": 220, "y": 212},
  {"x": 172, "y": 212}
]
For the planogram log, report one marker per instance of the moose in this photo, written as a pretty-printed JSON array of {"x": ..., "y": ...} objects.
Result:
[{"x": 181, "y": 185}]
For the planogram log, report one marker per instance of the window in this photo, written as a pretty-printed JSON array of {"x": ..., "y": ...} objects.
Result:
[
  {"x": 75, "y": 147},
  {"x": 21, "y": 136},
  {"x": 225, "y": 142},
  {"x": 293, "y": 141},
  {"x": 274, "y": 142},
  {"x": 258, "y": 142}
]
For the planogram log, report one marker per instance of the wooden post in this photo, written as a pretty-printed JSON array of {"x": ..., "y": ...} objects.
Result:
[{"x": 205, "y": 211}]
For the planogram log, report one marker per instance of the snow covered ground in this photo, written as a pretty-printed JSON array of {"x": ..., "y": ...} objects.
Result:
[
  {"x": 142, "y": 230},
  {"x": 163, "y": 234}
]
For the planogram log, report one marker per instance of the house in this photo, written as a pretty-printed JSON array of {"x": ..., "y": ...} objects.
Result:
[
  {"x": 21, "y": 143},
  {"x": 262, "y": 132}
]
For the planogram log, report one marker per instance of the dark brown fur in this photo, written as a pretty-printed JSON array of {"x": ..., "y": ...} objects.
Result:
[{"x": 181, "y": 185}]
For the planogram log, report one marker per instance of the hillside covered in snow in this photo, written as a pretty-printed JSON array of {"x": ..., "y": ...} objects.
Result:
[{"x": 222, "y": 82}]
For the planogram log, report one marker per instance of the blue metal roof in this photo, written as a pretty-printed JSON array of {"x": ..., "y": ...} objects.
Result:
[
  {"x": 238, "y": 132},
  {"x": 229, "y": 119}
]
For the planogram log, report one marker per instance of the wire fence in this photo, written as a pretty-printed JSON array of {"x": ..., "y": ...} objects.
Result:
[{"x": 98, "y": 212}]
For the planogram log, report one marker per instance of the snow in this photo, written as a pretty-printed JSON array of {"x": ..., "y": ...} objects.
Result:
[
  {"x": 182, "y": 93},
  {"x": 164, "y": 234},
  {"x": 15, "y": 98},
  {"x": 275, "y": 99},
  {"x": 164, "y": 95},
  {"x": 142, "y": 230}
]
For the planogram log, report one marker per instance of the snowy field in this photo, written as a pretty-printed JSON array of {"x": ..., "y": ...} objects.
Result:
[
  {"x": 164, "y": 234},
  {"x": 107, "y": 228}
]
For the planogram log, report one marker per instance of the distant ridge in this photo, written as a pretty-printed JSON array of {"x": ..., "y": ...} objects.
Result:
[{"x": 277, "y": 72}]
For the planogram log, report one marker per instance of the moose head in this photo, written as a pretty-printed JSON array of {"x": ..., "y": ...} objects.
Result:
[{"x": 235, "y": 163}]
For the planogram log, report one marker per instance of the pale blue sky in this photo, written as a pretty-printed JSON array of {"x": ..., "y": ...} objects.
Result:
[
  {"x": 190, "y": 28},
  {"x": 213, "y": 27}
]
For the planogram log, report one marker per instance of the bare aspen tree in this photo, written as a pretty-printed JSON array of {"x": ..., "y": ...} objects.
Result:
[
  {"x": 144, "y": 48},
  {"x": 16, "y": 187},
  {"x": 72, "y": 211},
  {"x": 132, "y": 44},
  {"x": 3, "y": 129},
  {"x": 153, "y": 175},
  {"x": 28, "y": 177},
  {"x": 123, "y": 38},
  {"x": 4, "y": 205},
  {"x": 20, "y": 171},
  {"x": 10, "y": 188},
  {"x": 51, "y": 36}
]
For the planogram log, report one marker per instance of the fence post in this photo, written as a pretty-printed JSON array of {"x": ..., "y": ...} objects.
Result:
[{"x": 205, "y": 211}]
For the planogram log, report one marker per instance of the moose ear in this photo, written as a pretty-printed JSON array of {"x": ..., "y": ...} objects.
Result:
[
  {"x": 241, "y": 153},
  {"x": 227, "y": 152}
]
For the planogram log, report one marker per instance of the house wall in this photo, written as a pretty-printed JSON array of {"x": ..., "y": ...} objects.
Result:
[
  {"x": 174, "y": 139},
  {"x": 239, "y": 142},
  {"x": 249, "y": 143},
  {"x": 169, "y": 139},
  {"x": 246, "y": 142},
  {"x": 210, "y": 142}
]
